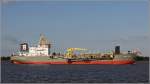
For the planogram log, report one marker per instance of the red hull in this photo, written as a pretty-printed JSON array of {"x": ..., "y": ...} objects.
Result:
[{"x": 81, "y": 62}]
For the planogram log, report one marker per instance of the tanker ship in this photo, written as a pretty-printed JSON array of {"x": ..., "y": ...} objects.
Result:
[{"x": 41, "y": 54}]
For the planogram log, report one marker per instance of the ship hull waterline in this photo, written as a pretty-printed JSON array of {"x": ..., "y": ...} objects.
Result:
[{"x": 80, "y": 62}]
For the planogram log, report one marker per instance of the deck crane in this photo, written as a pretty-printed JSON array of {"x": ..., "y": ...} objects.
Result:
[{"x": 70, "y": 52}]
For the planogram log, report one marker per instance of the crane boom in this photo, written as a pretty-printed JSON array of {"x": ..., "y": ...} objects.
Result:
[{"x": 70, "y": 52}]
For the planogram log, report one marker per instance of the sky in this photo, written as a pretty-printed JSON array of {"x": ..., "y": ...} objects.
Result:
[{"x": 97, "y": 26}]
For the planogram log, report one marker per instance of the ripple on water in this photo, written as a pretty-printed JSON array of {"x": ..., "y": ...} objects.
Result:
[{"x": 12, "y": 73}]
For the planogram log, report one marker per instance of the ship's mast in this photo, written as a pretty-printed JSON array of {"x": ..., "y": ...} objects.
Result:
[{"x": 43, "y": 42}]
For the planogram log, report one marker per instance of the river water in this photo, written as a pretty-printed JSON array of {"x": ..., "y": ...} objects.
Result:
[{"x": 30, "y": 73}]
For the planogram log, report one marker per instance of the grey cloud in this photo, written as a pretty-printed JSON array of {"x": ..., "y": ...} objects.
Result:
[
  {"x": 9, "y": 44},
  {"x": 9, "y": 39}
]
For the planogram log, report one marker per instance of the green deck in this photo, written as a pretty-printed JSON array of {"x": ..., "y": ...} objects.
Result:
[{"x": 37, "y": 58}]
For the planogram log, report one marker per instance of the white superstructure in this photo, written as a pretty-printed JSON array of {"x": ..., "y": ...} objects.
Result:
[{"x": 42, "y": 49}]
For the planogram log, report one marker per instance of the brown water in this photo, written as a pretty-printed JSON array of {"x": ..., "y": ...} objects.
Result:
[{"x": 29, "y": 73}]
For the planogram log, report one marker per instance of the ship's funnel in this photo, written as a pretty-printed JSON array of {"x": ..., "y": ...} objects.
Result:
[
  {"x": 117, "y": 50},
  {"x": 24, "y": 47}
]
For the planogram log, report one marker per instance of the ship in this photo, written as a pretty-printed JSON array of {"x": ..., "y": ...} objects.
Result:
[{"x": 41, "y": 54}]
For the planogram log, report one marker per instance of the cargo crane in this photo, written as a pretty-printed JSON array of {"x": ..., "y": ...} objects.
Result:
[{"x": 70, "y": 52}]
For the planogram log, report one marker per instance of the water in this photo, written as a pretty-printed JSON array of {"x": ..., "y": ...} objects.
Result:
[{"x": 132, "y": 73}]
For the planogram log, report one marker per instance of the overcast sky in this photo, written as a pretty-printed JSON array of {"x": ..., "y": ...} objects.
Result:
[{"x": 98, "y": 26}]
